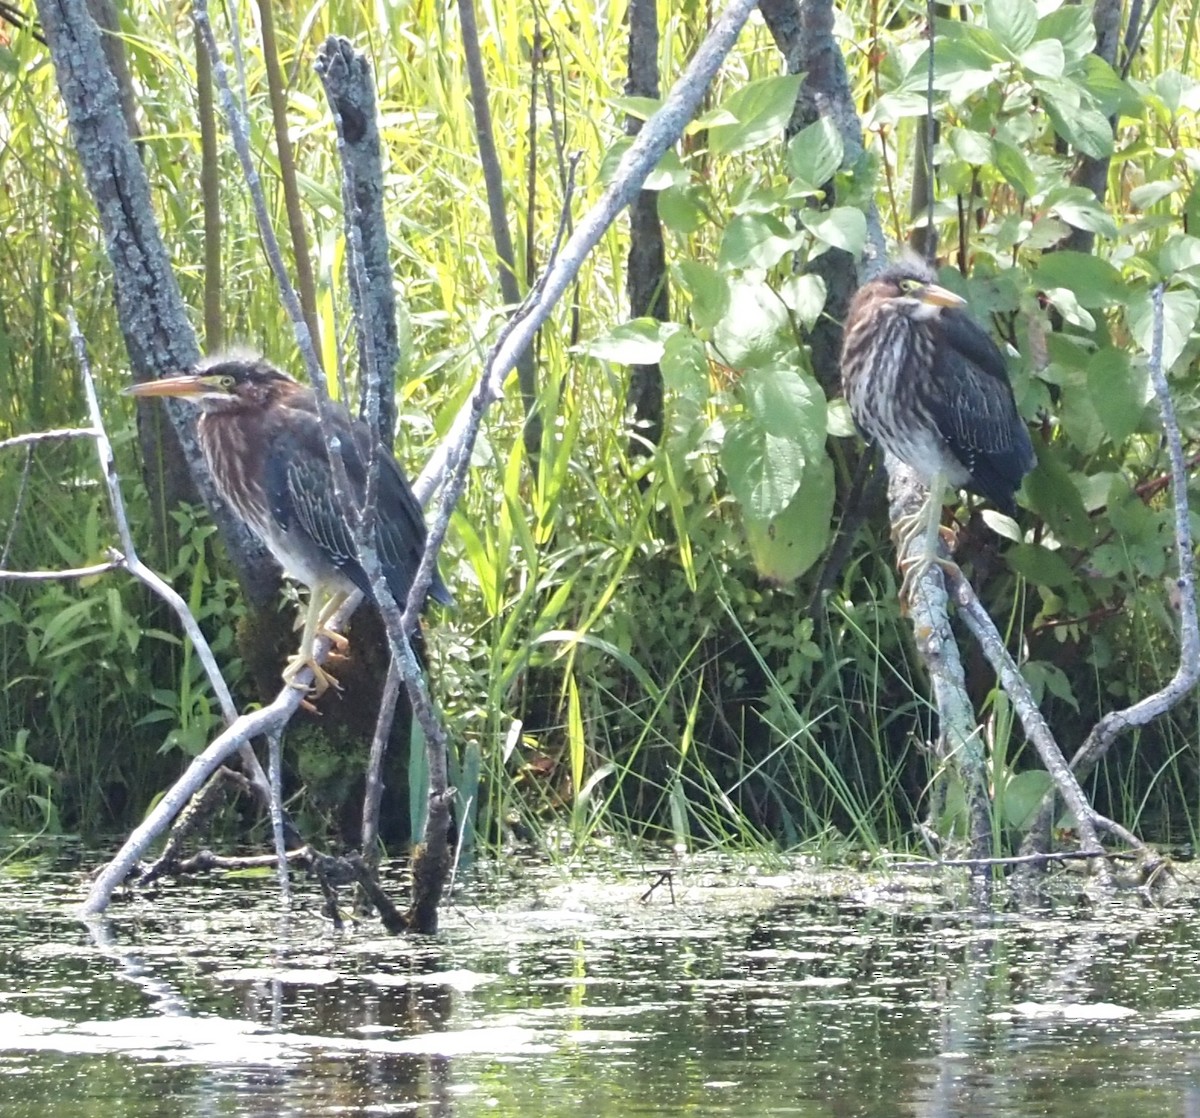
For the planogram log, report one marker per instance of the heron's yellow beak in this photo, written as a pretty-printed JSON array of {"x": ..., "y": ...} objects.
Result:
[
  {"x": 935, "y": 295},
  {"x": 190, "y": 387}
]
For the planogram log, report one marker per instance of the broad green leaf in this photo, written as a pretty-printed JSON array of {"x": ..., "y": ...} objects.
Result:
[
  {"x": 1180, "y": 308},
  {"x": 1052, "y": 494},
  {"x": 1113, "y": 96},
  {"x": 894, "y": 107},
  {"x": 756, "y": 330},
  {"x": 1040, "y": 565},
  {"x": 1010, "y": 161},
  {"x": 1043, "y": 676},
  {"x": 1094, "y": 282},
  {"x": 970, "y": 146},
  {"x": 1144, "y": 196},
  {"x": 1063, "y": 300},
  {"x": 762, "y": 109},
  {"x": 641, "y": 108},
  {"x": 785, "y": 546},
  {"x": 1118, "y": 395},
  {"x": 685, "y": 366},
  {"x": 1023, "y": 792},
  {"x": 681, "y": 208},
  {"x": 1179, "y": 254},
  {"x": 755, "y": 241},
  {"x": 1077, "y": 206},
  {"x": 766, "y": 449},
  {"x": 843, "y": 227},
  {"x": 1013, "y": 22},
  {"x": 637, "y": 342},
  {"x": 764, "y": 470},
  {"x": 669, "y": 171},
  {"x": 1083, "y": 127},
  {"x": 1045, "y": 58},
  {"x": 708, "y": 289},
  {"x": 1070, "y": 25},
  {"x": 804, "y": 294},
  {"x": 814, "y": 154}
]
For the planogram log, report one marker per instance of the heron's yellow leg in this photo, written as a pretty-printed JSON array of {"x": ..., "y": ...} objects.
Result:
[
  {"x": 926, "y": 522},
  {"x": 306, "y": 656},
  {"x": 336, "y": 599}
]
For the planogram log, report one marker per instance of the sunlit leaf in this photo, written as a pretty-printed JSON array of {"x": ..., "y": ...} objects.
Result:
[
  {"x": 815, "y": 153},
  {"x": 756, "y": 329},
  {"x": 785, "y": 546},
  {"x": 762, "y": 109},
  {"x": 1118, "y": 395},
  {"x": 709, "y": 291},
  {"x": 1094, "y": 281},
  {"x": 1013, "y": 22},
  {"x": 842, "y": 227},
  {"x": 756, "y": 240},
  {"x": 1180, "y": 307},
  {"x": 804, "y": 294}
]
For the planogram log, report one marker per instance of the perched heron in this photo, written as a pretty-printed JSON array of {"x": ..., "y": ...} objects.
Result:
[
  {"x": 926, "y": 382},
  {"x": 262, "y": 438}
]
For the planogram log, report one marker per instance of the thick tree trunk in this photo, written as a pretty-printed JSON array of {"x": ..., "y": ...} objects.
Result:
[
  {"x": 647, "y": 279},
  {"x": 158, "y": 336}
]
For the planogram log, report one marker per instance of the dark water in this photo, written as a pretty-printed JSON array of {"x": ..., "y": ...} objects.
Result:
[{"x": 800, "y": 995}]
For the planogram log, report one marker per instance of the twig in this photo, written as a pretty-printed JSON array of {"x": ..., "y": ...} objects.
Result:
[
  {"x": 1187, "y": 674},
  {"x": 65, "y": 573},
  {"x": 48, "y": 436}
]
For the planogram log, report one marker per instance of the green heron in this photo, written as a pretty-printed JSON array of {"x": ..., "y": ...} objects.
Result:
[
  {"x": 926, "y": 382},
  {"x": 262, "y": 438}
]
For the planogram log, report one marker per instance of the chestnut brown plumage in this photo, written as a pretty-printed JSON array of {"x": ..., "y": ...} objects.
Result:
[
  {"x": 261, "y": 435},
  {"x": 925, "y": 381}
]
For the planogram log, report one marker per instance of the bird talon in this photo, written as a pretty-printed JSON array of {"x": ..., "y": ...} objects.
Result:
[{"x": 322, "y": 680}]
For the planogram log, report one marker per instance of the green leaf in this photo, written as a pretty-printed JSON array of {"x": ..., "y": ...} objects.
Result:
[
  {"x": 642, "y": 108},
  {"x": 1085, "y": 128},
  {"x": 1118, "y": 396},
  {"x": 685, "y": 366},
  {"x": 756, "y": 330},
  {"x": 762, "y": 109},
  {"x": 1023, "y": 793},
  {"x": 1112, "y": 95},
  {"x": 1045, "y": 58},
  {"x": 766, "y": 448},
  {"x": 1144, "y": 196},
  {"x": 1179, "y": 254},
  {"x": 1077, "y": 206},
  {"x": 804, "y": 294},
  {"x": 1094, "y": 282},
  {"x": 1180, "y": 308},
  {"x": 1051, "y": 493},
  {"x": 681, "y": 208},
  {"x": 708, "y": 289},
  {"x": 1013, "y": 22},
  {"x": 1070, "y": 25},
  {"x": 843, "y": 227},
  {"x": 970, "y": 146},
  {"x": 755, "y": 241},
  {"x": 783, "y": 547},
  {"x": 637, "y": 342},
  {"x": 1010, "y": 161},
  {"x": 1040, "y": 565},
  {"x": 814, "y": 154}
]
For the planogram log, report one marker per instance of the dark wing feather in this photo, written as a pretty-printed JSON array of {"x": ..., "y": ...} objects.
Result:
[
  {"x": 300, "y": 490},
  {"x": 401, "y": 527},
  {"x": 971, "y": 401},
  {"x": 302, "y": 495}
]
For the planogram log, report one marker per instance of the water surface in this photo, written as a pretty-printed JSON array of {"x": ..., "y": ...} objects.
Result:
[{"x": 800, "y": 993}]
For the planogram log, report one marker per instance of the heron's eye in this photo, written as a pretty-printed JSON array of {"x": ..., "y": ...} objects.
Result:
[
  {"x": 910, "y": 286},
  {"x": 227, "y": 383}
]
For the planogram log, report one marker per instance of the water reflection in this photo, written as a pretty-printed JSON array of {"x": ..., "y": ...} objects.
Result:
[{"x": 579, "y": 999}]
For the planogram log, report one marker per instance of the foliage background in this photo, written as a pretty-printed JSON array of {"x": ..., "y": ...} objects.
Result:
[{"x": 646, "y": 645}]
